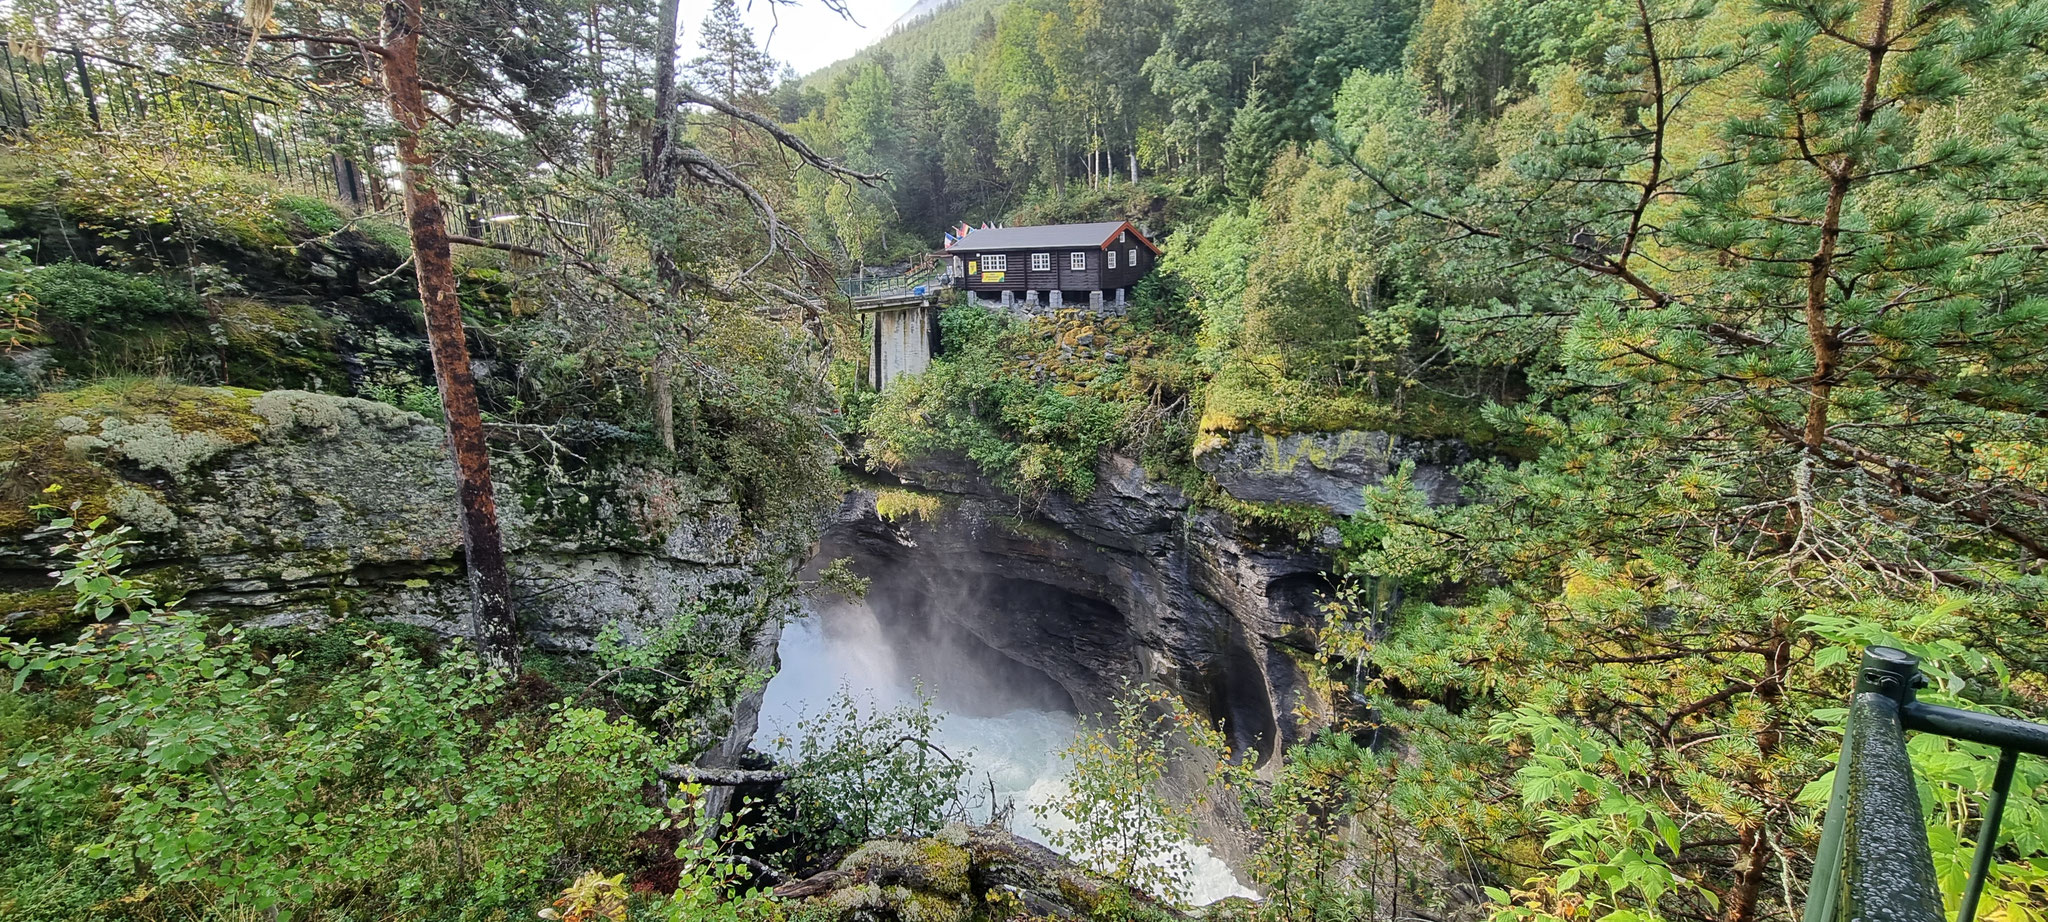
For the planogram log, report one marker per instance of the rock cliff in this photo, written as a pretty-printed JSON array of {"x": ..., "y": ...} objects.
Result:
[
  {"x": 1135, "y": 581},
  {"x": 295, "y": 508}
]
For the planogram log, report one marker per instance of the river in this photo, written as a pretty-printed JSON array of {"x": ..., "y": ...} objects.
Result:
[{"x": 1011, "y": 732}]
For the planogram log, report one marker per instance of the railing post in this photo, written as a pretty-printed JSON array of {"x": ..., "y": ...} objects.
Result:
[
  {"x": 84, "y": 87},
  {"x": 1886, "y": 870},
  {"x": 1987, "y": 835}
]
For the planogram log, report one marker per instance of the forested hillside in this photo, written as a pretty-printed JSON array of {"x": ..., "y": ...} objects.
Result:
[
  {"x": 1739, "y": 304},
  {"x": 420, "y": 421}
]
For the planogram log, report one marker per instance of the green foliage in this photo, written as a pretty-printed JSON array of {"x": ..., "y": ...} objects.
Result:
[
  {"x": 1323, "y": 851},
  {"x": 861, "y": 773},
  {"x": 402, "y": 390},
  {"x": 312, "y": 215},
  {"x": 1116, "y": 818},
  {"x": 1748, "y": 443},
  {"x": 839, "y": 578},
  {"x": 144, "y": 188},
  {"x": 978, "y": 402},
  {"x": 1249, "y": 151},
  {"x": 89, "y": 298},
  {"x": 196, "y": 778},
  {"x": 1213, "y": 266},
  {"x": 684, "y": 678}
]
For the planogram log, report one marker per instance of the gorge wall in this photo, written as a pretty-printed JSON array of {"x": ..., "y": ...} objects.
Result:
[{"x": 1135, "y": 581}]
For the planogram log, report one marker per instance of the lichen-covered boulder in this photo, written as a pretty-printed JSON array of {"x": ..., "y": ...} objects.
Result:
[
  {"x": 966, "y": 873},
  {"x": 289, "y": 507}
]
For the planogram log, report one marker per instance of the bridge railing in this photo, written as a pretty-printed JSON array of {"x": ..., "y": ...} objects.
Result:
[
  {"x": 1874, "y": 861},
  {"x": 868, "y": 287}
]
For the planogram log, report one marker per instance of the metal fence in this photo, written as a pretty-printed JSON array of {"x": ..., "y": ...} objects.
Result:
[
  {"x": 45, "y": 87},
  {"x": 1874, "y": 861},
  {"x": 53, "y": 87}
]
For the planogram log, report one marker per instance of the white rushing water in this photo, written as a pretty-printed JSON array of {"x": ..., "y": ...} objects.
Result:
[{"x": 1016, "y": 750}]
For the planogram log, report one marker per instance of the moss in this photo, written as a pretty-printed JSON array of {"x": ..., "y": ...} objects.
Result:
[
  {"x": 1242, "y": 398},
  {"x": 310, "y": 215},
  {"x": 930, "y": 866},
  {"x": 388, "y": 233},
  {"x": 43, "y": 612},
  {"x": 896, "y": 505},
  {"x": 944, "y": 865},
  {"x": 279, "y": 345},
  {"x": 124, "y": 184},
  {"x": 921, "y": 907},
  {"x": 76, "y": 439},
  {"x": 1082, "y": 892}
]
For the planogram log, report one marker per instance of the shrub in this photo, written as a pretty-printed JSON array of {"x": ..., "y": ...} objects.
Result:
[
  {"x": 395, "y": 790},
  {"x": 862, "y": 774},
  {"x": 91, "y": 298},
  {"x": 1117, "y": 820},
  {"x": 1005, "y": 396},
  {"x": 311, "y": 214}
]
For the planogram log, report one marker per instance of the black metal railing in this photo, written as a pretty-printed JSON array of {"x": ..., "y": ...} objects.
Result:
[
  {"x": 1874, "y": 861},
  {"x": 47, "y": 87}
]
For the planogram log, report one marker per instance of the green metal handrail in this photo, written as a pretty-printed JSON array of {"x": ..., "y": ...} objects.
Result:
[{"x": 1873, "y": 861}]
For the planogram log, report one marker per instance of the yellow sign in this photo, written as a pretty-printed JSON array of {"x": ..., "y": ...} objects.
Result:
[
  {"x": 991, "y": 276},
  {"x": 973, "y": 266}
]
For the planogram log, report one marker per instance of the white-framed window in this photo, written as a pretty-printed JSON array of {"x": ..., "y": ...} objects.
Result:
[
  {"x": 1134, "y": 258},
  {"x": 1077, "y": 261},
  {"x": 1112, "y": 259},
  {"x": 995, "y": 262},
  {"x": 1122, "y": 236},
  {"x": 1041, "y": 262}
]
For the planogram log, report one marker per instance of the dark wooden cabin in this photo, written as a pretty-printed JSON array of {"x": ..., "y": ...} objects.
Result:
[{"x": 1053, "y": 265}]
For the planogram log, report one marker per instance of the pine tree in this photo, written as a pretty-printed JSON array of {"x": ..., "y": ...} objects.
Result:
[
  {"x": 1249, "y": 151},
  {"x": 1787, "y": 374},
  {"x": 731, "y": 66}
]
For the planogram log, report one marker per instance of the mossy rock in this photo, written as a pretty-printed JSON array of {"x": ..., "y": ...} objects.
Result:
[
  {"x": 80, "y": 439},
  {"x": 279, "y": 346},
  {"x": 44, "y": 611},
  {"x": 962, "y": 873},
  {"x": 929, "y": 865}
]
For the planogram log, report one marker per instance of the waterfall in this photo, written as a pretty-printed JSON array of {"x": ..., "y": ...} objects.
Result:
[{"x": 1010, "y": 733}]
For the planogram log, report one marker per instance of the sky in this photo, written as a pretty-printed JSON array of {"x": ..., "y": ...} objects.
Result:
[{"x": 806, "y": 34}]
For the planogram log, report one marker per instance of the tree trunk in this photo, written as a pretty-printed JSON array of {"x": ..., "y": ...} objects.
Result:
[
  {"x": 1753, "y": 852},
  {"x": 600, "y": 99},
  {"x": 1821, "y": 334},
  {"x": 664, "y": 401},
  {"x": 660, "y": 176},
  {"x": 494, "y": 629}
]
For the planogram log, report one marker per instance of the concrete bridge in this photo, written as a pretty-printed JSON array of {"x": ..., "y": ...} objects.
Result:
[{"x": 905, "y": 320}]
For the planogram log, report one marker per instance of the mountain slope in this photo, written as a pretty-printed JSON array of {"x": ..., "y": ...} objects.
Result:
[{"x": 943, "y": 27}]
